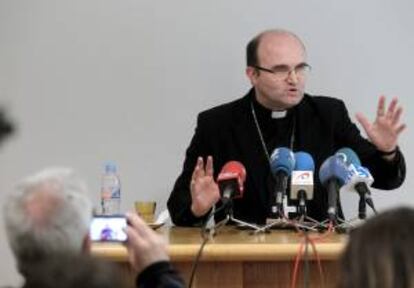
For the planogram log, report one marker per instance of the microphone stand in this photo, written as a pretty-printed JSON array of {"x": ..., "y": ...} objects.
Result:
[
  {"x": 364, "y": 200},
  {"x": 302, "y": 203},
  {"x": 243, "y": 223},
  {"x": 284, "y": 223},
  {"x": 303, "y": 220},
  {"x": 230, "y": 217},
  {"x": 240, "y": 222},
  {"x": 344, "y": 226},
  {"x": 280, "y": 219}
]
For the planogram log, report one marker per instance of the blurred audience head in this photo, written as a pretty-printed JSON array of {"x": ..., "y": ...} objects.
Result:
[
  {"x": 49, "y": 213},
  {"x": 73, "y": 271},
  {"x": 380, "y": 253},
  {"x": 6, "y": 127}
]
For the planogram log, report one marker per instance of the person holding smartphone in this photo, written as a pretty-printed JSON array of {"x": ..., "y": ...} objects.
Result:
[{"x": 49, "y": 214}]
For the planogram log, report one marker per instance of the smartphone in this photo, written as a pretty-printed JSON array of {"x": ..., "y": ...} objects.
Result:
[{"x": 108, "y": 228}]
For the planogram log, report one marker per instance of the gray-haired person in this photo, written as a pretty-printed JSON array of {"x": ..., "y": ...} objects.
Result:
[{"x": 49, "y": 215}]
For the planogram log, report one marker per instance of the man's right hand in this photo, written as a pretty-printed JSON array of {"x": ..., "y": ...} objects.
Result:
[
  {"x": 145, "y": 247},
  {"x": 204, "y": 190}
]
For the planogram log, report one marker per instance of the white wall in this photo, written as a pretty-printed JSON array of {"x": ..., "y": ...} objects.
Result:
[{"x": 91, "y": 80}]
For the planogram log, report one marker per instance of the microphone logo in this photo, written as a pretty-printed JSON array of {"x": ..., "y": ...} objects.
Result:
[
  {"x": 301, "y": 176},
  {"x": 301, "y": 181},
  {"x": 363, "y": 172},
  {"x": 342, "y": 156}
]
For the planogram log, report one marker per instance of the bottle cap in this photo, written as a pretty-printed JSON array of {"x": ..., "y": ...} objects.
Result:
[{"x": 110, "y": 167}]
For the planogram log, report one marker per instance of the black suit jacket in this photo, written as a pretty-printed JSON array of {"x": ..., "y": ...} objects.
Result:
[{"x": 228, "y": 132}]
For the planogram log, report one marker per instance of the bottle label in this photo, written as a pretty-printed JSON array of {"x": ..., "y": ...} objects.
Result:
[
  {"x": 110, "y": 194},
  {"x": 116, "y": 193},
  {"x": 106, "y": 194}
]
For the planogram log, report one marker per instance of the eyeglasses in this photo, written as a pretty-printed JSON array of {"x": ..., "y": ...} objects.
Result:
[{"x": 284, "y": 71}]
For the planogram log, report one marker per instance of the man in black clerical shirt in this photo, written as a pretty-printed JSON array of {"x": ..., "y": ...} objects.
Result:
[{"x": 277, "y": 112}]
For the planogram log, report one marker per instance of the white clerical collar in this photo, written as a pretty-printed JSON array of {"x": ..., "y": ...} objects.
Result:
[{"x": 279, "y": 114}]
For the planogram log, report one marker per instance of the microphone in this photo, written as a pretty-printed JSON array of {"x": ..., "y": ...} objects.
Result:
[
  {"x": 231, "y": 181},
  {"x": 360, "y": 180},
  {"x": 282, "y": 162},
  {"x": 301, "y": 185},
  {"x": 333, "y": 174}
]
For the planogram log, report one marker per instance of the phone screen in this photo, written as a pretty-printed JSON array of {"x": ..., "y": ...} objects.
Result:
[{"x": 108, "y": 229}]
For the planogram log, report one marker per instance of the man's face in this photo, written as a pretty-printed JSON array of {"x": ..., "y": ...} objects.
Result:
[{"x": 284, "y": 55}]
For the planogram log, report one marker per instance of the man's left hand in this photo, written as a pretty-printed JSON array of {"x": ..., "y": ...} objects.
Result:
[{"x": 386, "y": 128}]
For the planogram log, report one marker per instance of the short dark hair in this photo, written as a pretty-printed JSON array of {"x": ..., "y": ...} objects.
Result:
[
  {"x": 252, "y": 57},
  {"x": 380, "y": 253},
  {"x": 251, "y": 51}
]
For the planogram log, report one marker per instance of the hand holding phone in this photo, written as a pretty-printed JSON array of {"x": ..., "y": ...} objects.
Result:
[{"x": 145, "y": 246}]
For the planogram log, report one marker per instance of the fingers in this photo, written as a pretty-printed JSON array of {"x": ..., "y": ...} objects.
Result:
[
  {"x": 138, "y": 231},
  {"x": 134, "y": 220},
  {"x": 138, "y": 225},
  {"x": 197, "y": 173},
  {"x": 209, "y": 166},
  {"x": 394, "y": 113},
  {"x": 144, "y": 246},
  {"x": 134, "y": 241},
  {"x": 392, "y": 107},
  {"x": 381, "y": 106},
  {"x": 397, "y": 116},
  {"x": 198, "y": 169},
  {"x": 133, "y": 237},
  {"x": 401, "y": 128}
]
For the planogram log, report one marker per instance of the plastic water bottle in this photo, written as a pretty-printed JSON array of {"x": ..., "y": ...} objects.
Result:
[{"x": 110, "y": 190}]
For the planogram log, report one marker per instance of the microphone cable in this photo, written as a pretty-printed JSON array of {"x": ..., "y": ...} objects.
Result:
[
  {"x": 205, "y": 235},
  {"x": 306, "y": 260},
  {"x": 296, "y": 265},
  {"x": 306, "y": 240}
]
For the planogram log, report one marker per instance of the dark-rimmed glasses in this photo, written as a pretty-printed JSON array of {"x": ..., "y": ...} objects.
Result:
[{"x": 284, "y": 71}]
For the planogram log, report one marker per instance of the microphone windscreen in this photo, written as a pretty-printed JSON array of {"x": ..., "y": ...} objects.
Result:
[
  {"x": 304, "y": 162},
  {"x": 231, "y": 180},
  {"x": 282, "y": 159},
  {"x": 333, "y": 168},
  {"x": 348, "y": 156},
  {"x": 233, "y": 169}
]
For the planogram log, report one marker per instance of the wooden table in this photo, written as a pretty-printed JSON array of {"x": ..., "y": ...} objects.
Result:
[{"x": 236, "y": 258}]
